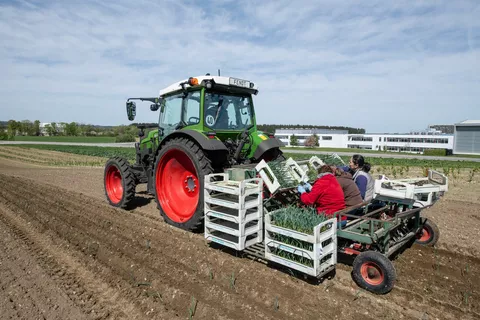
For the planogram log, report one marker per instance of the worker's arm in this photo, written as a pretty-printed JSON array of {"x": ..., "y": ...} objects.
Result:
[
  {"x": 309, "y": 198},
  {"x": 361, "y": 183}
]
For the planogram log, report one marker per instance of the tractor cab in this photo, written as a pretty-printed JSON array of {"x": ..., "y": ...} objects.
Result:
[
  {"x": 210, "y": 104},
  {"x": 219, "y": 108}
]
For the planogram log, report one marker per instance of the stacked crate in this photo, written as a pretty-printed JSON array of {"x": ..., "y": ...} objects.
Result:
[
  {"x": 314, "y": 254},
  {"x": 233, "y": 211}
]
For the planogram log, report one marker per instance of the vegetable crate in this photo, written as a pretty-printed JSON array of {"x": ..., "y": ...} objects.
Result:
[
  {"x": 419, "y": 192},
  {"x": 286, "y": 174},
  {"x": 233, "y": 211},
  {"x": 314, "y": 254}
]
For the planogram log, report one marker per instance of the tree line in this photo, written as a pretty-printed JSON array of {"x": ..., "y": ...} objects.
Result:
[
  {"x": 10, "y": 129},
  {"x": 272, "y": 127}
]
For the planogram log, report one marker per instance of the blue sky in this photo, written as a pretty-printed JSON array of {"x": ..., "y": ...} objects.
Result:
[{"x": 386, "y": 66}]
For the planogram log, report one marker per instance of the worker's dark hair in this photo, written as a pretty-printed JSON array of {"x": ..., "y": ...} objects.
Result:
[
  {"x": 325, "y": 168},
  {"x": 366, "y": 167},
  {"x": 359, "y": 160}
]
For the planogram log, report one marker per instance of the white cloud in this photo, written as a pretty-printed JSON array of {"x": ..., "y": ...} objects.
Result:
[{"x": 382, "y": 66}]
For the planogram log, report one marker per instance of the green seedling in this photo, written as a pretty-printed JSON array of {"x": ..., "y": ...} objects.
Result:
[
  {"x": 276, "y": 304},
  {"x": 232, "y": 281},
  {"x": 192, "y": 308}
]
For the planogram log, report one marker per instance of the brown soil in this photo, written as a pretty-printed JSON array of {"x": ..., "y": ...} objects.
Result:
[
  {"x": 48, "y": 158},
  {"x": 68, "y": 255}
]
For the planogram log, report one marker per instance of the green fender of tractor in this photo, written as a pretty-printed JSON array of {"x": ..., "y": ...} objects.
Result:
[
  {"x": 204, "y": 142},
  {"x": 263, "y": 143}
]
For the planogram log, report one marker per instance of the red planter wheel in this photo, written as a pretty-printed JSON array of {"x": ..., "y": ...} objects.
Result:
[
  {"x": 429, "y": 234},
  {"x": 374, "y": 272}
]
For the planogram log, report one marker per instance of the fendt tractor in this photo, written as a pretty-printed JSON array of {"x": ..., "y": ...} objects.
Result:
[
  {"x": 206, "y": 124},
  {"x": 209, "y": 169}
]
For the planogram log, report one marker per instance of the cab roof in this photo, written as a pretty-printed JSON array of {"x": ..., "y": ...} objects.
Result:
[{"x": 217, "y": 80}]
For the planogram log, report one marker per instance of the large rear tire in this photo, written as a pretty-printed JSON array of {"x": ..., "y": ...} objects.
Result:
[
  {"x": 429, "y": 234},
  {"x": 179, "y": 173},
  {"x": 374, "y": 272},
  {"x": 119, "y": 182}
]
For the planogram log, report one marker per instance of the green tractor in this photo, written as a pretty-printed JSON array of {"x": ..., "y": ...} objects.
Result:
[{"x": 206, "y": 125}]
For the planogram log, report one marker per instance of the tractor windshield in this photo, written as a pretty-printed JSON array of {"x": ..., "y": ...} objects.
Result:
[{"x": 227, "y": 111}]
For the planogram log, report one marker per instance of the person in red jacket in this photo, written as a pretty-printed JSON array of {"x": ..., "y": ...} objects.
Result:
[{"x": 326, "y": 193}]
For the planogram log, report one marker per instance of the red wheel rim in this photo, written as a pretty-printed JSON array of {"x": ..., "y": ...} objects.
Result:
[
  {"x": 113, "y": 184},
  {"x": 425, "y": 235},
  {"x": 177, "y": 186},
  {"x": 371, "y": 273}
]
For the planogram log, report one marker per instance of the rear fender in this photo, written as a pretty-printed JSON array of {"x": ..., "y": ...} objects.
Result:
[
  {"x": 265, "y": 145},
  {"x": 216, "y": 150}
]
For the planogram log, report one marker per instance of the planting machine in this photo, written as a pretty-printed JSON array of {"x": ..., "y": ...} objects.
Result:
[{"x": 210, "y": 169}]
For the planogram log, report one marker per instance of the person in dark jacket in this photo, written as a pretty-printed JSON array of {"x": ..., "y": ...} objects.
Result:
[
  {"x": 326, "y": 193},
  {"x": 349, "y": 187}
]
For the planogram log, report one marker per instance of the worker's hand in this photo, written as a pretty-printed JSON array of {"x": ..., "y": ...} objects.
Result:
[
  {"x": 301, "y": 189},
  {"x": 308, "y": 186}
]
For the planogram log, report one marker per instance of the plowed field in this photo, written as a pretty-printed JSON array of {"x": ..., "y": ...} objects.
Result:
[{"x": 66, "y": 254}]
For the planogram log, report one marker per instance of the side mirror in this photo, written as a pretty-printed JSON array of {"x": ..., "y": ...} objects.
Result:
[{"x": 131, "y": 110}]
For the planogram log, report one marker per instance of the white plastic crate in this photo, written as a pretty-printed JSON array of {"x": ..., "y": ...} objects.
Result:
[
  {"x": 233, "y": 201},
  {"x": 316, "y": 162},
  {"x": 233, "y": 215},
  {"x": 323, "y": 243},
  {"x": 237, "y": 243},
  {"x": 239, "y": 195},
  {"x": 434, "y": 178},
  {"x": 296, "y": 171},
  {"x": 232, "y": 228},
  {"x": 219, "y": 182},
  {"x": 233, "y": 211},
  {"x": 406, "y": 192},
  {"x": 271, "y": 182}
]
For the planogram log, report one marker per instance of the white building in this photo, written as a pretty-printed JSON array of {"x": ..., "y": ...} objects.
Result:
[
  {"x": 326, "y": 138},
  {"x": 415, "y": 142},
  {"x": 44, "y": 125},
  {"x": 467, "y": 137}
]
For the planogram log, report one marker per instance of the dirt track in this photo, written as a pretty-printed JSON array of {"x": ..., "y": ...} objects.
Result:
[{"x": 68, "y": 255}]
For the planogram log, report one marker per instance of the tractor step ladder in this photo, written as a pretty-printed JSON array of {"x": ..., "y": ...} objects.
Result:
[{"x": 233, "y": 211}]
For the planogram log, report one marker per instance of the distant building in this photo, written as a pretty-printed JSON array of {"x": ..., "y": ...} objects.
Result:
[
  {"x": 45, "y": 125},
  {"x": 467, "y": 137},
  {"x": 414, "y": 142},
  {"x": 327, "y": 138}
]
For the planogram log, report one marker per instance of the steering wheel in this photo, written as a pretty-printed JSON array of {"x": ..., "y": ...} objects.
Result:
[{"x": 197, "y": 120}]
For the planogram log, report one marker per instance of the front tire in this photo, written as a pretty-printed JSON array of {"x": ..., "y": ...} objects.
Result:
[
  {"x": 374, "y": 272},
  {"x": 119, "y": 182},
  {"x": 429, "y": 234},
  {"x": 179, "y": 173}
]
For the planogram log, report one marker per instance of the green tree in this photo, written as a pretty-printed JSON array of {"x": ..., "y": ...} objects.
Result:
[
  {"x": 36, "y": 127},
  {"x": 3, "y": 134},
  {"x": 12, "y": 128},
  {"x": 52, "y": 129},
  {"x": 71, "y": 129},
  {"x": 27, "y": 128},
  {"x": 293, "y": 140}
]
